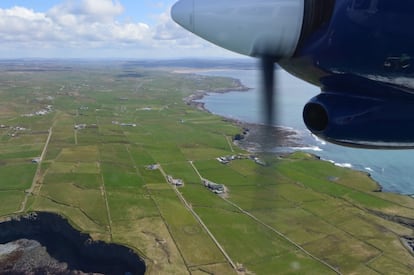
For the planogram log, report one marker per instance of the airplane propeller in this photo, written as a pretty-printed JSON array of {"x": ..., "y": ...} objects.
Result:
[
  {"x": 268, "y": 78},
  {"x": 266, "y": 29}
]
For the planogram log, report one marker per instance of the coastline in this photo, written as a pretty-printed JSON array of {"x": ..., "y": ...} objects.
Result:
[
  {"x": 252, "y": 134},
  {"x": 283, "y": 139},
  {"x": 286, "y": 137},
  {"x": 112, "y": 183},
  {"x": 191, "y": 100},
  {"x": 46, "y": 243}
]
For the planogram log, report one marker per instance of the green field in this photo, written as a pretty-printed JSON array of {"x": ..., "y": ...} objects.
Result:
[{"x": 297, "y": 215}]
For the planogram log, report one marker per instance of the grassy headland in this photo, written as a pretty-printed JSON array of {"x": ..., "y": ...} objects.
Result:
[{"x": 110, "y": 121}]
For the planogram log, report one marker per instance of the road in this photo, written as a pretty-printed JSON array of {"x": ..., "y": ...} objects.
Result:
[
  {"x": 200, "y": 221},
  {"x": 282, "y": 235},
  {"x": 272, "y": 228},
  {"x": 229, "y": 141},
  {"x": 37, "y": 175}
]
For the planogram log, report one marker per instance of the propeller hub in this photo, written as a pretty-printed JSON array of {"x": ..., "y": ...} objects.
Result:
[
  {"x": 183, "y": 14},
  {"x": 254, "y": 28}
]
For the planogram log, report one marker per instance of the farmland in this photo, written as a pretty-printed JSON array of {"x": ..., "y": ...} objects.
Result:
[{"x": 110, "y": 121}]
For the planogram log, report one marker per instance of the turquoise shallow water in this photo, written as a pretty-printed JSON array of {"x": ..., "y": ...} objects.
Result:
[{"x": 394, "y": 170}]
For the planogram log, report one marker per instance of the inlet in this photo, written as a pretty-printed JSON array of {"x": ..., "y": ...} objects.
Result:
[
  {"x": 45, "y": 243},
  {"x": 315, "y": 117}
]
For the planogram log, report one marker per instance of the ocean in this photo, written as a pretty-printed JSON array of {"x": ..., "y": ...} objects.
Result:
[{"x": 392, "y": 169}]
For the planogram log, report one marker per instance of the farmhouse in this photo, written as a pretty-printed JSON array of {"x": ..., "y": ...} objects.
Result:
[
  {"x": 260, "y": 162},
  {"x": 36, "y": 160},
  {"x": 228, "y": 159},
  {"x": 176, "y": 182},
  {"x": 257, "y": 160},
  {"x": 153, "y": 167},
  {"x": 214, "y": 187},
  {"x": 18, "y": 128},
  {"x": 80, "y": 126},
  {"x": 42, "y": 112},
  {"x": 129, "y": 124},
  {"x": 223, "y": 160}
]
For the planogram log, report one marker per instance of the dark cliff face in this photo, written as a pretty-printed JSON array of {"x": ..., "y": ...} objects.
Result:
[{"x": 67, "y": 245}]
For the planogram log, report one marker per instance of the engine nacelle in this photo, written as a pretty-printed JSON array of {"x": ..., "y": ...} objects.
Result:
[{"x": 363, "y": 122}]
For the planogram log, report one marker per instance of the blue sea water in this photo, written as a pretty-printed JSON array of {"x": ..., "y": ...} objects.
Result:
[{"x": 393, "y": 170}]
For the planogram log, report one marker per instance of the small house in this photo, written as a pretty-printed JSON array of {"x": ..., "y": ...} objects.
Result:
[{"x": 36, "y": 160}]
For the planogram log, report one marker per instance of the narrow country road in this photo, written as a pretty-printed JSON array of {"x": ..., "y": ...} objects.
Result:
[
  {"x": 272, "y": 228},
  {"x": 200, "y": 221},
  {"x": 37, "y": 175}
]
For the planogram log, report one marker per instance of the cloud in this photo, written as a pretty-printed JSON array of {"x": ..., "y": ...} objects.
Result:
[
  {"x": 93, "y": 21},
  {"x": 80, "y": 26},
  {"x": 167, "y": 32},
  {"x": 18, "y": 23},
  {"x": 72, "y": 22},
  {"x": 168, "y": 35},
  {"x": 166, "y": 29},
  {"x": 88, "y": 10}
]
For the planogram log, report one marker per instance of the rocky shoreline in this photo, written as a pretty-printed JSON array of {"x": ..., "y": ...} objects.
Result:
[
  {"x": 253, "y": 135},
  {"x": 191, "y": 100},
  {"x": 257, "y": 138},
  {"x": 45, "y": 243}
]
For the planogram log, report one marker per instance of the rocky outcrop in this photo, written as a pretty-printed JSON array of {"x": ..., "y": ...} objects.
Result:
[
  {"x": 47, "y": 243},
  {"x": 30, "y": 257}
]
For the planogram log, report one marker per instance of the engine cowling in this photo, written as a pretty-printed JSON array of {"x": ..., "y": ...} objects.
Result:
[{"x": 363, "y": 122}]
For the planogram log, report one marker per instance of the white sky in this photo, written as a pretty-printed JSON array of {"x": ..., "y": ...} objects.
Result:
[{"x": 96, "y": 29}]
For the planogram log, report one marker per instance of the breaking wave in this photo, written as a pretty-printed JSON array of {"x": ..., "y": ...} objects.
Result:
[
  {"x": 307, "y": 148},
  {"x": 343, "y": 165}
]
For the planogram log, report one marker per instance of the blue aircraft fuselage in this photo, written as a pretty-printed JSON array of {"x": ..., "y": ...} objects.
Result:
[
  {"x": 362, "y": 57},
  {"x": 360, "y": 52},
  {"x": 371, "y": 39}
]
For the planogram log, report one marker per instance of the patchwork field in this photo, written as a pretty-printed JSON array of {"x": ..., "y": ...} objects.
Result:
[{"x": 114, "y": 136}]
